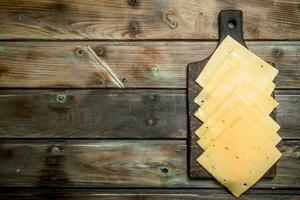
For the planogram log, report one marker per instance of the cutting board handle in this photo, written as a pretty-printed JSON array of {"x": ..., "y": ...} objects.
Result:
[{"x": 231, "y": 23}]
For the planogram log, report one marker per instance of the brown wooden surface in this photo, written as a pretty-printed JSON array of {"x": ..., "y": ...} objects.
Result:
[
  {"x": 291, "y": 106},
  {"x": 145, "y": 194},
  {"x": 93, "y": 114},
  {"x": 195, "y": 170},
  {"x": 145, "y": 19},
  {"x": 135, "y": 64},
  {"x": 87, "y": 45},
  {"x": 114, "y": 114},
  {"x": 110, "y": 164}
]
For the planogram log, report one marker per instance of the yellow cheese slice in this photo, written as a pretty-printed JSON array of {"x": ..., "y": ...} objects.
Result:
[
  {"x": 220, "y": 55},
  {"x": 265, "y": 123},
  {"x": 215, "y": 79},
  {"x": 239, "y": 157},
  {"x": 229, "y": 47},
  {"x": 208, "y": 134},
  {"x": 215, "y": 130},
  {"x": 214, "y": 108},
  {"x": 232, "y": 73}
]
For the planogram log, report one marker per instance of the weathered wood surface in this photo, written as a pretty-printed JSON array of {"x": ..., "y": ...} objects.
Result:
[
  {"x": 134, "y": 163},
  {"x": 290, "y": 103},
  {"x": 114, "y": 114},
  {"x": 134, "y": 64},
  {"x": 140, "y": 19},
  {"x": 145, "y": 194},
  {"x": 93, "y": 114}
]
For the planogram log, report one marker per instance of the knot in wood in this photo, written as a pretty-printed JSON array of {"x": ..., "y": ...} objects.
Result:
[
  {"x": 79, "y": 52},
  {"x": 151, "y": 122},
  {"x": 124, "y": 80},
  {"x": 55, "y": 149},
  {"x": 277, "y": 53},
  {"x": 181, "y": 148},
  {"x": 152, "y": 97},
  {"x": 164, "y": 170},
  {"x": 99, "y": 81},
  {"x": 133, "y": 28},
  {"x": 155, "y": 72},
  {"x": 61, "y": 98},
  {"x": 170, "y": 17},
  {"x": 100, "y": 51},
  {"x": 133, "y": 3}
]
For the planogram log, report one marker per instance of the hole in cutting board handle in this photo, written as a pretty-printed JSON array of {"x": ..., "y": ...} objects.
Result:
[{"x": 231, "y": 23}]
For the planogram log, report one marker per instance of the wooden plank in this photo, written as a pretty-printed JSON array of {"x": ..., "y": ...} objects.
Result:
[
  {"x": 93, "y": 114},
  {"x": 134, "y": 64},
  {"x": 113, "y": 113},
  {"x": 288, "y": 113},
  {"x": 137, "y": 194},
  {"x": 119, "y": 164},
  {"x": 155, "y": 19}
]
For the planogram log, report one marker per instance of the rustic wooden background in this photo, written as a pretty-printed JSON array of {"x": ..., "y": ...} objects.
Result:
[{"x": 93, "y": 97}]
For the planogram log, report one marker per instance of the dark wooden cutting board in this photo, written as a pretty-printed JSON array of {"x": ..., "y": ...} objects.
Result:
[{"x": 230, "y": 23}]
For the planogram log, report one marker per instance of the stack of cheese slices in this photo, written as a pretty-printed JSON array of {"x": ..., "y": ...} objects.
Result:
[{"x": 238, "y": 135}]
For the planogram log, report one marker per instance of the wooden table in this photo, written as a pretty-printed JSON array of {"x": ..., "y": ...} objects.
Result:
[{"x": 93, "y": 96}]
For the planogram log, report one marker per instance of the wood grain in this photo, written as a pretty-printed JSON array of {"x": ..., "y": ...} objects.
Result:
[
  {"x": 114, "y": 114},
  {"x": 118, "y": 164},
  {"x": 290, "y": 103},
  {"x": 145, "y": 194},
  {"x": 93, "y": 114},
  {"x": 145, "y": 19},
  {"x": 135, "y": 64}
]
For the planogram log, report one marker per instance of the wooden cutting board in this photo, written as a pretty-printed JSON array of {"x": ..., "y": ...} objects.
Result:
[{"x": 230, "y": 23}]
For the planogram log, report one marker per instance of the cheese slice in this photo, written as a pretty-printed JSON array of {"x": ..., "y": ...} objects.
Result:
[
  {"x": 234, "y": 72},
  {"x": 215, "y": 130},
  {"x": 210, "y": 133},
  {"x": 265, "y": 124},
  {"x": 220, "y": 55},
  {"x": 229, "y": 47},
  {"x": 214, "y": 108},
  {"x": 239, "y": 157}
]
